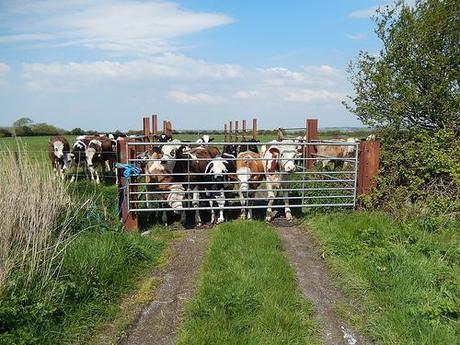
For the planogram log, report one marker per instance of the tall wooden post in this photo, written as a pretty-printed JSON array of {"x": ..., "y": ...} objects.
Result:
[
  {"x": 230, "y": 134},
  {"x": 146, "y": 127},
  {"x": 236, "y": 130},
  {"x": 168, "y": 128},
  {"x": 254, "y": 129},
  {"x": 312, "y": 134},
  {"x": 225, "y": 132},
  {"x": 368, "y": 166},
  {"x": 164, "y": 126},
  {"x": 129, "y": 219},
  {"x": 244, "y": 129},
  {"x": 155, "y": 127}
]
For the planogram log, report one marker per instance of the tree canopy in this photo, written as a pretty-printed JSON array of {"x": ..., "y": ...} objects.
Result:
[{"x": 413, "y": 82}]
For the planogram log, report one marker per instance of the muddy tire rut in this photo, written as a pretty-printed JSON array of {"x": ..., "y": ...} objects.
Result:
[
  {"x": 316, "y": 283},
  {"x": 159, "y": 322}
]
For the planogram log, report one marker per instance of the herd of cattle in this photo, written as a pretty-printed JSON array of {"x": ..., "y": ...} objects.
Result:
[{"x": 175, "y": 169}]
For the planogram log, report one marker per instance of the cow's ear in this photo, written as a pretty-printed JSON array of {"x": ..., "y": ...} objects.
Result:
[{"x": 211, "y": 139}]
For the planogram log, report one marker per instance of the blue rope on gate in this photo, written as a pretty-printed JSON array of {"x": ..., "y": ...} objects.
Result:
[{"x": 128, "y": 171}]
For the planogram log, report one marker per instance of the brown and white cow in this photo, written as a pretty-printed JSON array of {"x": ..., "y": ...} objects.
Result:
[
  {"x": 59, "y": 154},
  {"x": 160, "y": 179},
  {"x": 194, "y": 161},
  {"x": 100, "y": 153},
  {"x": 279, "y": 163},
  {"x": 327, "y": 153},
  {"x": 250, "y": 173}
]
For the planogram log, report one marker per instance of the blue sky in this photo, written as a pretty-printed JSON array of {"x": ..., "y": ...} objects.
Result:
[{"x": 105, "y": 64}]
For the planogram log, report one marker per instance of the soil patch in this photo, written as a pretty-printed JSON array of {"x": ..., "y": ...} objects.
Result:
[
  {"x": 316, "y": 283},
  {"x": 160, "y": 320}
]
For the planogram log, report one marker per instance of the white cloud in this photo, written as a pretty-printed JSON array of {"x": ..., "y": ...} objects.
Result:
[
  {"x": 72, "y": 76},
  {"x": 130, "y": 26},
  {"x": 356, "y": 37},
  {"x": 364, "y": 13},
  {"x": 183, "y": 97},
  {"x": 246, "y": 94},
  {"x": 310, "y": 95},
  {"x": 4, "y": 69}
]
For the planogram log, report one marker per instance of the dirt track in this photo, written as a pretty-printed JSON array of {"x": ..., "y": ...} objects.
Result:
[
  {"x": 316, "y": 284},
  {"x": 160, "y": 321}
]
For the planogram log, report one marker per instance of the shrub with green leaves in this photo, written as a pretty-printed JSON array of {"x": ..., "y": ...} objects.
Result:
[{"x": 420, "y": 166}]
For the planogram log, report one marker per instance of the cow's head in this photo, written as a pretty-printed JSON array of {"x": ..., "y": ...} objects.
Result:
[
  {"x": 217, "y": 170},
  {"x": 93, "y": 152},
  {"x": 58, "y": 149},
  {"x": 231, "y": 150},
  {"x": 205, "y": 139},
  {"x": 288, "y": 155}
]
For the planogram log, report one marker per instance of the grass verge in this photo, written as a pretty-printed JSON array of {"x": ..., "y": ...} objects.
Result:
[
  {"x": 247, "y": 292},
  {"x": 403, "y": 275}
]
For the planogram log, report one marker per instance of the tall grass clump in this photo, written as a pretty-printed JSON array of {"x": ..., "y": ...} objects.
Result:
[{"x": 34, "y": 217}]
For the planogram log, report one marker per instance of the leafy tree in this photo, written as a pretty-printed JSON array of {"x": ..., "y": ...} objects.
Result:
[
  {"x": 414, "y": 80},
  {"x": 77, "y": 131},
  {"x": 46, "y": 129},
  {"x": 23, "y": 122}
]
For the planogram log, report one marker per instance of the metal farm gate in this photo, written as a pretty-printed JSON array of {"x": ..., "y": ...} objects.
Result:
[{"x": 166, "y": 181}]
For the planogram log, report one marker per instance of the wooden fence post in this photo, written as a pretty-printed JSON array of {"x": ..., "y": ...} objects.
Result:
[
  {"x": 244, "y": 129},
  {"x": 236, "y": 130},
  {"x": 146, "y": 127},
  {"x": 168, "y": 128},
  {"x": 230, "y": 134},
  {"x": 254, "y": 129},
  {"x": 312, "y": 134},
  {"x": 368, "y": 167},
  {"x": 225, "y": 133},
  {"x": 129, "y": 219},
  {"x": 155, "y": 126}
]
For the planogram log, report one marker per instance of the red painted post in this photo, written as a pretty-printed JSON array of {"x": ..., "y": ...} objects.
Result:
[
  {"x": 236, "y": 130},
  {"x": 146, "y": 127},
  {"x": 368, "y": 167},
  {"x": 244, "y": 129},
  {"x": 129, "y": 219},
  {"x": 230, "y": 134},
  {"x": 254, "y": 128},
  {"x": 155, "y": 126},
  {"x": 168, "y": 128},
  {"x": 225, "y": 133},
  {"x": 312, "y": 135}
]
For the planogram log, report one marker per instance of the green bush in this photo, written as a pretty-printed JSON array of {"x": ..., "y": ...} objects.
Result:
[{"x": 419, "y": 167}]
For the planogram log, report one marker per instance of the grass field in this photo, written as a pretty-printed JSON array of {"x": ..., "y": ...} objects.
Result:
[
  {"x": 247, "y": 293},
  {"x": 403, "y": 276}
]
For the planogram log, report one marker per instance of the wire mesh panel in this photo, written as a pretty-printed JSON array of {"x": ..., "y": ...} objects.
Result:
[{"x": 217, "y": 176}]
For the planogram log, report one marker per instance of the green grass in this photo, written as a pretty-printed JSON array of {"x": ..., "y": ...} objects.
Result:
[
  {"x": 247, "y": 293},
  {"x": 403, "y": 275}
]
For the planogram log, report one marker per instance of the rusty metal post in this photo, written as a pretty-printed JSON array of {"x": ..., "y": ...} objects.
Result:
[
  {"x": 236, "y": 130},
  {"x": 312, "y": 135},
  {"x": 225, "y": 132},
  {"x": 230, "y": 134},
  {"x": 168, "y": 128},
  {"x": 146, "y": 127},
  {"x": 254, "y": 128},
  {"x": 368, "y": 167},
  {"x": 129, "y": 219},
  {"x": 244, "y": 129},
  {"x": 164, "y": 126},
  {"x": 155, "y": 127}
]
